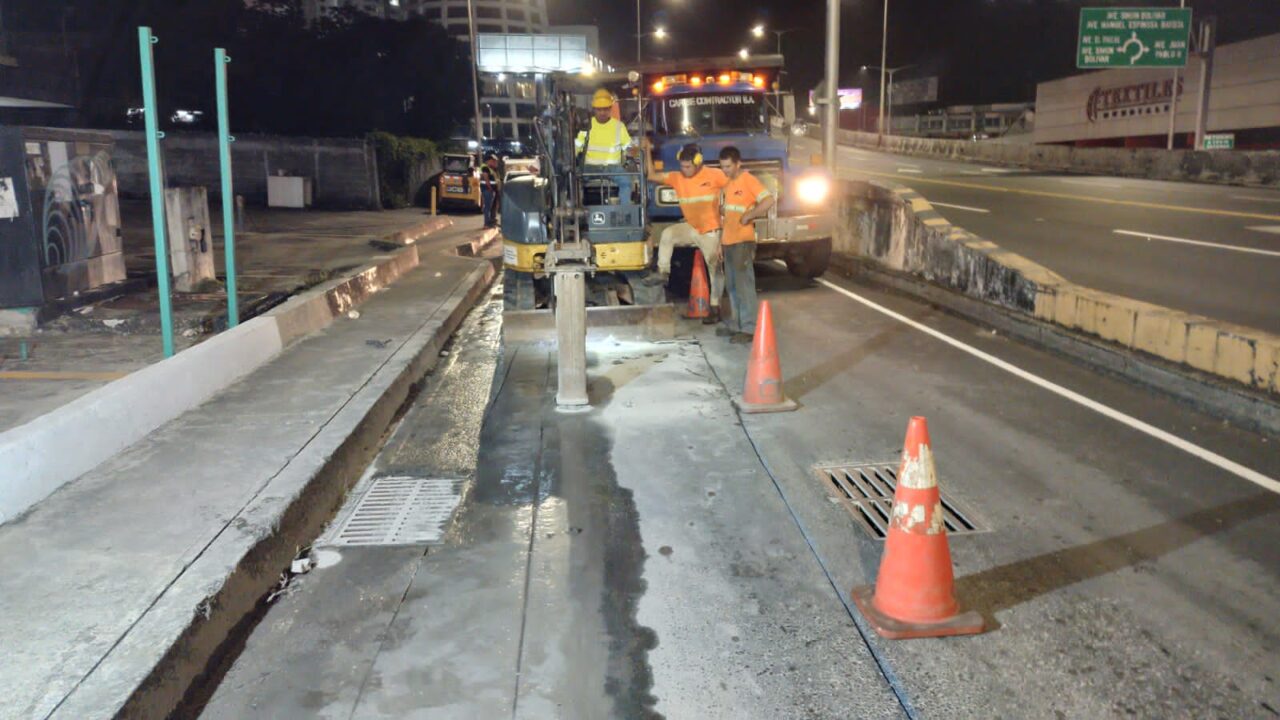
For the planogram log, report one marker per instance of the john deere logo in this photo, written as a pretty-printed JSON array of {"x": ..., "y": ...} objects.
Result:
[{"x": 597, "y": 218}]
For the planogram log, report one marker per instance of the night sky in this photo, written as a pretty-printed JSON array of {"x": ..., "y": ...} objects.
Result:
[{"x": 983, "y": 51}]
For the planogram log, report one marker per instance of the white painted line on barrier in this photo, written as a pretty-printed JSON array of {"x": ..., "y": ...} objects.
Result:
[
  {"x": 1201, "y": 243},
  {"x": 1091, "y": 183},
  {"x": 958, "y": 207},
  {"x": 1273, "y": 229},
  {"x": 1186, "y": 446}
]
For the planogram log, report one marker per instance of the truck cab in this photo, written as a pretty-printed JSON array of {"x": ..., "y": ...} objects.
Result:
[{"x": 721, "y": 102}]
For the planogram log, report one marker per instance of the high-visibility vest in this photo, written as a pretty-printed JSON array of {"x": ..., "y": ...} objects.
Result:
[{"x": 605, "y": 142}]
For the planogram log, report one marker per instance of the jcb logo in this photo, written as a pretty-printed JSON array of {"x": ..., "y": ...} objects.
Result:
[{"x": 597, "y": 218}]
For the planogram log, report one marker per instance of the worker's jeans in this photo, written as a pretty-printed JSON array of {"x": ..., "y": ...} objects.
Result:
[
  {"x": 683, "y": 235},
  {"x": 488, "y": 202},
  {"x": 740, "y": 276}
]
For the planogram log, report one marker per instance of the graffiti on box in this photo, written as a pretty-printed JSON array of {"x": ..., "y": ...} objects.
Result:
[{"x": 80, "y": 212}]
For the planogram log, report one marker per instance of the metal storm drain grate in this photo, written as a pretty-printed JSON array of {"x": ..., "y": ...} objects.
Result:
[
  {"x": 401, "y": 511},
  {"x": 866, "y": 491}
]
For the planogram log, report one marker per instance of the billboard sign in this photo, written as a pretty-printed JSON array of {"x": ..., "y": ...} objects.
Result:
[
  {"x": 849, "y": 98},
  {"x": 515, "y": 53},
  {"x": 1133, "y": 37},
  {"x": 915, "y": 92}
]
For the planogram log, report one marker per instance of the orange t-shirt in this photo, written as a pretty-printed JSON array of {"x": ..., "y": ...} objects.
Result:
[
  {"x": 740, "y": 194},
  {"x": 699, "y": 197}
]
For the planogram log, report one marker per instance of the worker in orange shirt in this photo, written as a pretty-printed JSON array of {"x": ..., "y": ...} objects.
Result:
[
  {"x": 746, "y": 200},
  {"x": 698, "y": 188}
]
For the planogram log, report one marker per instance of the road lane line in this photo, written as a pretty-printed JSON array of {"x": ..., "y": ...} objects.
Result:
[
  {"x": 1084, "y": 198},
  {"x": 958, "y": 207},
  {"x": 913, "y": 171},
  {"x": 1273, "y": 229},
  {"x": 1219, "y": 246},
  {"x": 1186, "y": 446},
  {"x": 997, "y": 171},
  {"x": 1256, "y": 198}
]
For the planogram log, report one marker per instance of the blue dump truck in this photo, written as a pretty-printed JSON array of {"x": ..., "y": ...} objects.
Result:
[{"x": 717, "y": 102}]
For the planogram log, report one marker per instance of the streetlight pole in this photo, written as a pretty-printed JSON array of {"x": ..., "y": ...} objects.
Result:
[
  {"x": 884, "y": 59},
  {"x": 889, "y": 72},
  {"x": 1173, "y": 95},
  {"x": 832, "y": 114},
  {"x": 639, "y": 33},
  {"x": 475, "y": 75}
]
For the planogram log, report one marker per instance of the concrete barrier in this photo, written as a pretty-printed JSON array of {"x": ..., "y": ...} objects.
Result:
[
  {"x": 41, "y": 456},
  {"x": 898, "y": 229},
  {"x": 1228, "y": 167}
]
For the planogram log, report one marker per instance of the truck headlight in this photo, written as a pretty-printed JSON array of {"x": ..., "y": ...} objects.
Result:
[{"x": 813, "y": 190}]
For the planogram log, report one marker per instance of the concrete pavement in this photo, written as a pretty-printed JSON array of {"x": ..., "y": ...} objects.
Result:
[
  {"x": 1206, "y": 249},
  {"x": 660, "y": 556}
]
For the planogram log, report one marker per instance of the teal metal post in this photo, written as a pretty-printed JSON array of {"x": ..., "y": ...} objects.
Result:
[
  {"x": 152, "y": 115},
  {"x": 225, "y": 139}
]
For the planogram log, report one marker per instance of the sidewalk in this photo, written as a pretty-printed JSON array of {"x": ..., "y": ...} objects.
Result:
[
  {"x": 281, "y": 253},
  {"x": 119, "y": 587}
]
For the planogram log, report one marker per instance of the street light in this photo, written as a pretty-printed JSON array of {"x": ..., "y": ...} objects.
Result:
[
  {"x": 660, "y": 33},
  {"x": 758, "y": 31},
  {"x": 744, "y": 53},
  {"x": 886, "y": 71},
  {"x": 780, "y": 33}
]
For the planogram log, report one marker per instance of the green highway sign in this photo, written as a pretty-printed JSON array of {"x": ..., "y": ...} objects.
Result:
[
  {"x": 1133, "y": 37},
  {"x": 1220, "y": 141}
]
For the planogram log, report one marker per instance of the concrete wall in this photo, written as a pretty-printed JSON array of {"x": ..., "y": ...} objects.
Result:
[
  {"x": 1229, "y": 167},
  {"x": 345, "y": 171},
  {"x": 1245, "y": 93},
  {"x": 898, "y": 229}
]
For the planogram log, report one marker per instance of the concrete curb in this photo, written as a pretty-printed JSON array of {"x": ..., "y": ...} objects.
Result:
[
  {"x": 153, "y": 667},
  {"x": 1236, "y": 370},
  {"x": 1259, "y": 168},
  {"x": 41, "y": 456}
]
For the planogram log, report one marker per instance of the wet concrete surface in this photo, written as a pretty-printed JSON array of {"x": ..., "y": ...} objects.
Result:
[
  {"x": 660, "y": 556},
  {"x": 632, "y": 561}
]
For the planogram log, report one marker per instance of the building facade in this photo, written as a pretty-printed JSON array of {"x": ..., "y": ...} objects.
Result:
[
  {"x": 1130, "y": 108},
  {"x": 507, "y": 104},
  {"x": 967, "y": 122}
]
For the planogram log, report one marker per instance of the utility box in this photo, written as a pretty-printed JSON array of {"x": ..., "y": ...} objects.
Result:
[
  {"x": 190, "y": 238},
  {"x": 289, "y": 191},
  {"x": 59, "y": 215}
]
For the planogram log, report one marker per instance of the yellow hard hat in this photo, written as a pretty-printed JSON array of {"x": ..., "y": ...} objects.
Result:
[{"x": 602, "y": 99}]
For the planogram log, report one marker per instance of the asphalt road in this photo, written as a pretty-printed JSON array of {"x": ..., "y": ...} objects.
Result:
[
  {"x": 660, "y": 556},
  {"x": 1207, "y": 249}
]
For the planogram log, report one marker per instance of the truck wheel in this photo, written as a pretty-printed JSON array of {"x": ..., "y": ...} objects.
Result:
[
  {"x": 811, "y": 260},
  {"x": 517, "y": 291}
]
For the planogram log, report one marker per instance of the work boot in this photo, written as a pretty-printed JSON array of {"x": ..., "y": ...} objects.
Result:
[
  {"x": 724, "y": 331},
  {"x": 713, "y": 317},
  {"x": 740, "y": 339},
  {"x": 655, "y": 278}
]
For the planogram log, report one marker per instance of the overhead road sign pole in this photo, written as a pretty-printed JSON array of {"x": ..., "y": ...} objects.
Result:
[
  {"x": 832, "y": 110},
  {"x": 475, "y": 75},
  {"x": 151, "y": 115},
  {"x": 225, "y": 139},
  {"x": 1208, "y": 40},
  {"x": 1173, "y": 96}
]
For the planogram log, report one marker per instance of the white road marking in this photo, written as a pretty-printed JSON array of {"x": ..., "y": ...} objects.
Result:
[
  {"x": 1090, "y": 183},
  {"x": 958, "y": 207},
  {"x": 1257, "y": 198},
  {"x": 1273, "y": 229},
  {"x": 909, "y": 170},
  {"x": 1186, "y": 446},
  {"x": 1219, "y": 246},
  {"x": 1000, "y": 171}
]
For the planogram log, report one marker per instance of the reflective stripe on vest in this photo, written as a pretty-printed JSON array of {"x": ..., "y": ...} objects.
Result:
[
  {"x": 601, "y": 154},
  {"x": 698, "y": 199}
]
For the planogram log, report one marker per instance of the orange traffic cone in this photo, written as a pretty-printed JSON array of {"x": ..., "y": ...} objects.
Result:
[
  {"x": 699, "y": 291},
  {"x": 763, "y": 390},
  {"x": 914, "y": 595}
]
